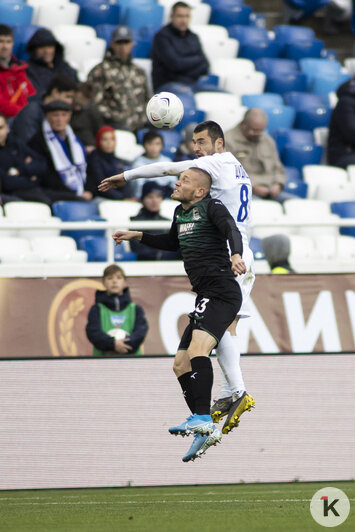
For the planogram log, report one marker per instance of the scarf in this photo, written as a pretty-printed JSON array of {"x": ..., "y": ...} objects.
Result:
[{"x": 72, "y": 175}]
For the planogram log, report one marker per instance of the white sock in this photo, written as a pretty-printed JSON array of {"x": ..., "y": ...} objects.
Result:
[{"x": 228, "y": 356}]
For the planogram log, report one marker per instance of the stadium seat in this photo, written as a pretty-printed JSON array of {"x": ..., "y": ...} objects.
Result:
[
  {"x": 171, "y": 139},
  {"x": 279, "y": 116},
  {"x": 282, "y": 75},
  {"x": 273, "y": 67},
  {"x": 222, "y": 65},
  {"x": 265, "y": 99},
  {"x": 104, "y": 31},
  {"x": 16, "y": 13},
  {"x": 96, "y": 249},
  {"x": 296, "y": 186},
  {"x": 127, "y": 148},
  {"x": 137, "y": 16},
  {"x": 320, "y": 135},
  {"x": 200, "y": 13},
  {"x": 146, "y": 64},
  {"x": 283, "y": 137},
  {"x": 351, "y": 173},
  {"x": 257, "y": 248},
  {"x": 311, "y": 211},
  {"x": 345, "y": 209},
  {"x": 22, "y": 34},
  {"x": 215, "y": 41},
  {"x": 58, "y": 249},
  {"x": 259, "y": 49},
  {"x": 227, "y": 118},
  {"x": 262, "y": 212},
  {"x": 65, "y": 33},
  {"x": 292, "y": 173},
  {"x": 212, "y": 100},
  {"x": 51, "y": 14},
  {"x": 314, "y": 67},
  {"x": 167, "y": 208},
  {"x": 95, "y": 13},
  {"x": 247, "y": 34},
  {"x": 301, "y": 248},
  {"x": 247, "y": 83},
  {"x": 315, "y": 175},
  {"x": 118, "y": 211},
  {"x": 72, "y": 211},
  {"x": 288, "y": 34},
  {"x": 312, "y": 110},
  {"x": 335, "y": 192},
  {"x": 77, "y": 51},
  {"x": 231, "y": 14},
  {"x": 27, "y": 212},
  {"x": 16, "y": 250},
  {"x": 323, "y": 85},
  {"x": 299, "y": 155},
  {"x": 301, "y": 49},
  {"x": 307, "y": 7},
  {"x": 191, "y": 115}
]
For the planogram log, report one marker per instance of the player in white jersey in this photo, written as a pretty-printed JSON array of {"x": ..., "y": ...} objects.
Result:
[{"x": 230, "y": 184}]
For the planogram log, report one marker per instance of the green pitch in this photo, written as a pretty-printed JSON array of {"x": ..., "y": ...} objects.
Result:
[{"x": 217, "y": 508}]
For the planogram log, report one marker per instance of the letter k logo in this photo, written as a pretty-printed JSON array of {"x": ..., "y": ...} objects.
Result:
[{"x": 327, "y": 506}]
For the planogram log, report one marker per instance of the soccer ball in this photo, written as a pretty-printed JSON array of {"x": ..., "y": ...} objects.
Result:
[{"x": 165, "y": 110}]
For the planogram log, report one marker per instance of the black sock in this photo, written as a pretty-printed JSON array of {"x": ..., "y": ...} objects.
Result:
[
  {"x": 201, "y": 384},
  {"x": 185, "y": 383}
]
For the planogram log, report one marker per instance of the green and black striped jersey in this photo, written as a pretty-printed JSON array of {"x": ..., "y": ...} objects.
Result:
[{"x": 202, "y": 232}]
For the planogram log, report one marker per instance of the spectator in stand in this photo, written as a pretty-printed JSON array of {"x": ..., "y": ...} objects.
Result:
[
  {"x": 341, "y": 137},
  {"x": 120, "y": 86},
  {"x": 153, "y": 144},
  {"x": 28, "y": 122},
  {"x": 86, "y": 119},
  {"x": 277, "y": 252},
  {"x": 65, "y": 156},
  {"x": 177, "y": 55},
  {"x": 152, "y": 196},
  {"x": 116, "y": 325},
  {"x": 102, "y": 162},
  {"x": 257, "y": 152},
  {"x": 46, "y": 61},
  {"x": 185, "y": 150},
  {"x": 15, "y": 87},
  {"x": 21, "y": 168}
]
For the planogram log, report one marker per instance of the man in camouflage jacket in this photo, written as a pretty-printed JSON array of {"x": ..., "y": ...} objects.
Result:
[{"x": 121, "y": 88}]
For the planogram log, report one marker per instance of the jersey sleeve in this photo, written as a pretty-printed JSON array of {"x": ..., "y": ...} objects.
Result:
[
  {"x": 211, "y": 165},
  {"x": 222, "y": 219},
  {"x": 166, "y": 241},
  {"x": 166, "y": 168}
]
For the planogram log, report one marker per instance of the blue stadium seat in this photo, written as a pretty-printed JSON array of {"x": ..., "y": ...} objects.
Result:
[
  {"x": 265, "y": 99},
  {"x": 312, "y": 110},
  {"x": 303, "y": 49},
  {"x": 230, "y": 14},
  {"x": 299, "y": 155},
  {"x": 313, "y": 67},
  {"x": 288, "y": 34},
  {"x": 15, "y": 13},
  {"x": 279, "y": 116},
  {"x": 72, "y": 211},
  {"x": 273, "y": 67},
  {"x": 344, "y": 209},
  {"x": 140, "y": 15},
  {"x": 293, "y": 173},
  {"x": 141, "y": 48},
  {"x": 104, "y": 31},
  {"x": 94, "y": 13},
  {"x": 307, "y": 6},
  {"x": 223, "y": 3},
  {"x": 247, "y": 34},
  {"x": 185, "y": 94},
  {"x": 172, "y": 139},
  {"x": 259, "y": 49},
  {"x": 256, "y": 247},
  {"x": 296, "y": 186},
  {"x": 96, "y": 248},
  {"x": 191, "y": 115},
  {"x": 207, "y": 83},
  {"x": 282, "y": 83},
  {"x": 22, "y": 34},
  {"x": 323, "y": 85},
  {"x": 292, "y": 136}
]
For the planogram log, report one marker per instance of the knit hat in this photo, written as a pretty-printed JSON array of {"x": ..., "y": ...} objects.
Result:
[
  {"x": 149, "y": 187},
  {"x": 100, "y": 132}
]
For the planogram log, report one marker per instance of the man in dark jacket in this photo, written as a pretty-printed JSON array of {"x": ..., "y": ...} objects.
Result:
[
  {"x": 46, "y": 60},
  {"x": 341, "y": 138},
  {"x": 65, "y": 179},
  {"x": 152, "y": 196},
  {"x": 21, "y": 169},
  {"x": 116, "y": 325},
  {"x": 177, "y": 55},
  {"x": 15, "y": 86}
]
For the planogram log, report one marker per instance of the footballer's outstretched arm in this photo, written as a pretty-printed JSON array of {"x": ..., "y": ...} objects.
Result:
[{"x": 147, "y": 171}]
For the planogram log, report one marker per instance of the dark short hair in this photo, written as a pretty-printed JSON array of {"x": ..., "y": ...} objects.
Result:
[
  {"x": 179, "y": 4},
  {"x": 151, "y": 135},
  {"x": 4, "y": 117},
  {"x": 6, "y": 30},
  {"x": 86, "y": 88},
  {"x": 111, "y": 269},
  {"x": 214, "y": 130},
  {"x": 62, "y": 83}
]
